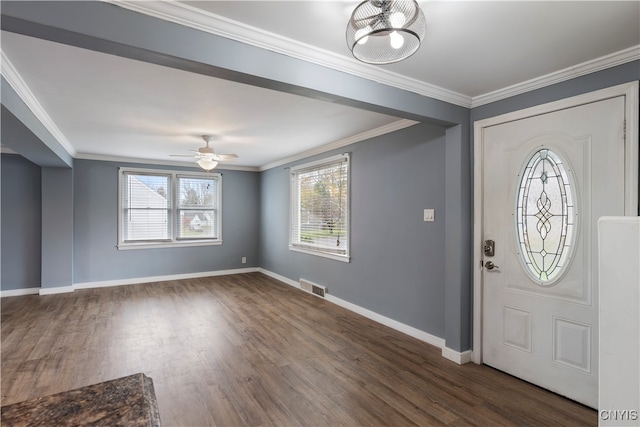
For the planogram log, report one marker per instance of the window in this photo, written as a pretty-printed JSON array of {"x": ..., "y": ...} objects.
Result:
[
  {"x": 165, "y": 208},
  {"x": 545, "y": 217},
  {"x": 320, "y": 208}
]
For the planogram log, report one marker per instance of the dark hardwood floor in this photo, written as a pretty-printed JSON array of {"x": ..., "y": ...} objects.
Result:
[{"x": 249, "y": 350}]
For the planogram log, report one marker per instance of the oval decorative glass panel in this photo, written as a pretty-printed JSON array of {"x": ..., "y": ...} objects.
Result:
[{"x": 545, "y": 217}]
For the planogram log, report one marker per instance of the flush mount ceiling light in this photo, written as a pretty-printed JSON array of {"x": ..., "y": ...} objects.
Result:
[{"x": 385, "y": 31}]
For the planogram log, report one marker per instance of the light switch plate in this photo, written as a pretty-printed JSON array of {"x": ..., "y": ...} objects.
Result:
[{"x": 429, "y": 215}]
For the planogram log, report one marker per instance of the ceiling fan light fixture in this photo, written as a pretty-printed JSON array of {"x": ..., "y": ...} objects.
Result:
[
  {"x": 385, "y": 31},
  {"x": 206, "y": 157},
  {"x": 207, "y": 163}
]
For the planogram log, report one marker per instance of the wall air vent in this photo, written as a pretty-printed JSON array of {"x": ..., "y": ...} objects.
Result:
[{"x": 313, "y": 288}]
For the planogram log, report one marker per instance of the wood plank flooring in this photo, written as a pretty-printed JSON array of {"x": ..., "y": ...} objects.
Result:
[{"x": 247, "y": 350}]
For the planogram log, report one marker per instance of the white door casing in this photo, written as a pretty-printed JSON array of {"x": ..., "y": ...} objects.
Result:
[{"x": 547, "y": 332}]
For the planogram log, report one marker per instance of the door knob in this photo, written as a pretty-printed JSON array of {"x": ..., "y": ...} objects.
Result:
[{"x": 490, "y": 266}]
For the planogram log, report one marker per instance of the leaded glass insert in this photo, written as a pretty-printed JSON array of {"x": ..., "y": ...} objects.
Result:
[{"x": 545, "y": 216}]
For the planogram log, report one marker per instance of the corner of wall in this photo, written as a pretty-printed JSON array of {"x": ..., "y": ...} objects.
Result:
[{"x": 458, "y": 357}]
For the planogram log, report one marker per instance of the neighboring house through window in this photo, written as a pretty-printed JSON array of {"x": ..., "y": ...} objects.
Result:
[
  {"x": 166, "y": 208},
  {"x": 320, "y": 208}
]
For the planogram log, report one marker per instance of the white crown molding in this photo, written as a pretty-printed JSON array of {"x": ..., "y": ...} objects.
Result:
[
  {"x": 18, "y": 84},
  {"x": 382, "y": 130},
  {"x": 6, "y": 150},
  {"x": 192, "y": 17},
  {"x": 122, "y": 159},
  {"x": 588, "y": 67}
]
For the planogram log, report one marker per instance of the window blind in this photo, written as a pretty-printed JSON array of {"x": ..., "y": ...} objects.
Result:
[
  {"x": 146, "y": 204},
  {"x": 320, "y": 206}
]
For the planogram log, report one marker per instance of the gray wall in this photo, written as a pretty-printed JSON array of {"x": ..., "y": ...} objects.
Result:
[
  {"x": 101, "y": 27},
  {"x": 404, "y": 281},
  {"x": 57, "y": 227},
  {"x": 397, "y": 259},
  {"x": 21, "y": 223},
  {"x": 96, "y": 257},
  {"x": 115, "y": 30}
]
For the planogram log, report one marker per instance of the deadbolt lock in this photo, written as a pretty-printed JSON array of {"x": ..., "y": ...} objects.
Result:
[{"x": 489, "y": 248}]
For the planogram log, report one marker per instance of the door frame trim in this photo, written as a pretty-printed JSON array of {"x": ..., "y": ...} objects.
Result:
[{"x": 630, "y": 92}]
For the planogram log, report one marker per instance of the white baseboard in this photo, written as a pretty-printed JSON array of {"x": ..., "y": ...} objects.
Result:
[
  {"x": 393, "y": 324},
  {"x": 279, "y": 277},
  {"x": 137, "y": 280},
  {"x": 122, "y": 282},
  {"x": 56, "y": 290},
  {"x": 19, "y": 292},
  {"x": 455, "y": 356}
]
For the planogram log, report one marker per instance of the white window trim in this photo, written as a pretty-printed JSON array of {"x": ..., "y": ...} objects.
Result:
[
  {"x": 174, "y": 243},
  {"x": 337, "y": 257},
  {"x": 307, "y": 250}
]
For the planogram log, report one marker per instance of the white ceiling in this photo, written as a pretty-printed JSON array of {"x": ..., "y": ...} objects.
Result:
[{"x": 111, "y": 107}]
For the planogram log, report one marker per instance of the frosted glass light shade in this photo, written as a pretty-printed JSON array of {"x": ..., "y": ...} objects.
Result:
[{"x": 207, "y": 164}]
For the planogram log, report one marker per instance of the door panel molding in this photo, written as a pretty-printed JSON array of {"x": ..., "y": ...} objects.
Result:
[{"x": 630, "y": 92}]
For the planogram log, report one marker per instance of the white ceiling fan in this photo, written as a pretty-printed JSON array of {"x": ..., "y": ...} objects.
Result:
[{"x": 206, "y": 156}]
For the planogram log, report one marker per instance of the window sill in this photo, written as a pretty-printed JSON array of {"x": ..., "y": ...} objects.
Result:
[
  {"x": 158, "y": 245},
  {"x": 342, "y": 258}
]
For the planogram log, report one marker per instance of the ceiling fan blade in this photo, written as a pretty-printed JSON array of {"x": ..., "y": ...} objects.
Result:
[
  {"x": 224, "y": 157},
  {"x": 207, "y": 153}
]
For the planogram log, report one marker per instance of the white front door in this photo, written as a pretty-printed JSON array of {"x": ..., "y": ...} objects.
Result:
[{"x": 546, "y": 180}]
